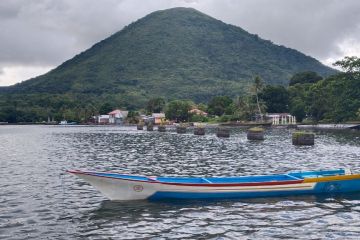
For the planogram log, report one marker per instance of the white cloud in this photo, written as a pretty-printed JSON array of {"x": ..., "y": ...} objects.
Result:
[
  {"x": 348, "y": 47},
  {"x": 14, "y": 74}
]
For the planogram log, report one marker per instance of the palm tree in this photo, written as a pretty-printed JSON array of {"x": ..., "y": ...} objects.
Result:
[{"x": 258, "y": 87}]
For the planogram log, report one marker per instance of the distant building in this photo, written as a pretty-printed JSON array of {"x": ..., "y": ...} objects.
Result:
[
  {"x": 158, "y": 117},
  {"x": 102, "y": 119},
  {"x": 147, "y": 119},
  {"x": 281, "y": 118},
  {"x": 198, "y": 112},
  {"x": 117, "y": 116},
  {"x": 155, "y": 118},
  {"x": 63, "y": 122}
]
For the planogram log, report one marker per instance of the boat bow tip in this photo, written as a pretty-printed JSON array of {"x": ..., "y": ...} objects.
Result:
[{"x": 74, "y": 171}]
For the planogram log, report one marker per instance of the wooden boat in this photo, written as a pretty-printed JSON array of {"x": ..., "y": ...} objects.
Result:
[{"x": 117, "y": 186}]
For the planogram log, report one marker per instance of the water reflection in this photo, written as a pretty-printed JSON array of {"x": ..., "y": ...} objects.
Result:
[{"x": 39, "y": 200}]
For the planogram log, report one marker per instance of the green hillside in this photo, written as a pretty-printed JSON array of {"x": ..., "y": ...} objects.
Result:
[
  {"x": 178, "y": 53},
  {"x": 175, "y": 53}
]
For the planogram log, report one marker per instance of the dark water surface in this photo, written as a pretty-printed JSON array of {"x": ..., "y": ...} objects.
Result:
[{"x": 38, "y": 200}]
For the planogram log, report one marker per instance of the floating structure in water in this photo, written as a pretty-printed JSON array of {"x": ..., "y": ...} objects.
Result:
[
  {"x": 200, "y": 131},
  {"x": 303, "y": 138},
  {"x": 149, "y": 127},
  {"x": 181, "y": 129},
  {"x": 330, "y": 126},
  {"x": 255, "y": 133},
  {"x": 140, "y": 126},
  {"x": 161, "y": 128},
  {"x": 223, "y": 132}
]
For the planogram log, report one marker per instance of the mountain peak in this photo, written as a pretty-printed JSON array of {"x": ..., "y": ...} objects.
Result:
[
  {"x": 174, "y": 53},
  {"x": 178, "y": 10}
]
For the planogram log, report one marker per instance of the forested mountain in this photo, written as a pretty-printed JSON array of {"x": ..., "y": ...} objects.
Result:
[{"x": 178, "y": 53}]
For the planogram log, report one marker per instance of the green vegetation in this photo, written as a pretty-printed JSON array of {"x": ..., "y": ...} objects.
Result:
[
  {"x": 256, "y": 88},
  {"x": 155, "y": 105},
  {"x": 198, "y": 118},
  {"x": 173, "y": 54},
  {"x": 256, "y": 129},
  {"x": 301, "y": 133},
  {"x": 178, "y": 110},
  {"x": 106, "y": 108},
  {"x": 305, "y": 77},
  {"x": 334, "y": 99},
  {"x": 276, "y": 99},
  {"x": 220, "y": 105},
  {"x": 351, "y": 65}
]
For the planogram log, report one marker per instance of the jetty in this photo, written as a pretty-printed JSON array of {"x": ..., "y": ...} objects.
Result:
[{"x": 330, "y": 126}]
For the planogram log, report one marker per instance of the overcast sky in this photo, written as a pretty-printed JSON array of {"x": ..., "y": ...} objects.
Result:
[{"x": 38, "y": 35}]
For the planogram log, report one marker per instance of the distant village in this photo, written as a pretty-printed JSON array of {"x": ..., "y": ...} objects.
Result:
[{"x": 120, "y": 117}]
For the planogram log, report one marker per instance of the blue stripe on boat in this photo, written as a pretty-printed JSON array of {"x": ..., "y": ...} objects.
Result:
[
  {"x": 244, "y": 179},
  {"x": 320, "y": 188}
]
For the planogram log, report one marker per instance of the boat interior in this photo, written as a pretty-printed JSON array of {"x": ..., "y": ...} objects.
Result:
[{"x": 291, "y": 176}]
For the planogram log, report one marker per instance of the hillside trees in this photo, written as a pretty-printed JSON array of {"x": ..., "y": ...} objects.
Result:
[
  {"x": 178, "y": 110},
  {"x": 276, "y": 98},
  {"x": 304, "y": 77},
  {"x": 334, "y": 99},
  {"x": 106, "y": 108},
  {"x": 218, "y": 105},
  {"x": 155, "y": 105},
  {"x": 197, "y": 57}
]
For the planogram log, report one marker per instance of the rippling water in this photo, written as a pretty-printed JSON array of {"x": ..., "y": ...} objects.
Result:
[{"x": 38, "y": 200}]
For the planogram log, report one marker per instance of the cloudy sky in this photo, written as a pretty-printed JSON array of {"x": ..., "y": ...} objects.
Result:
[{"x": 38, "y": 35}]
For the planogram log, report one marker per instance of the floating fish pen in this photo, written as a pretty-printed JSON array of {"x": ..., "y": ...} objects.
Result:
[
  {"x": 140, "y": 126},
  {"x": 255, "y": 133},
  {"x": 199, "y": 131},
  {"x": 161, "y": 128},
  {"x": 149, "y": 127},
  {"x": 223, "y": 132},
  {"x": 303, "y": 138},
  {"x": 181, "y": 129}
]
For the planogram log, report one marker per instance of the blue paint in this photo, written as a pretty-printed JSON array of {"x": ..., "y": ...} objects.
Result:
[
  {"x": 314, "y": 174},
  {"x": 188, "y": 195},
  {"x": 320, "y": 188},
  {"x": 338, "y": 186},
  {"x": 243, "y": 179}
]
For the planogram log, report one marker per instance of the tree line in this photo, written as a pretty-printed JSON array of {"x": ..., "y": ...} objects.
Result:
[{"x": 308, "y": 96}]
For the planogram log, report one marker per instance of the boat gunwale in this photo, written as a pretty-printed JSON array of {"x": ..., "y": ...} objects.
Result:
[{"x": 153, "y": 181}]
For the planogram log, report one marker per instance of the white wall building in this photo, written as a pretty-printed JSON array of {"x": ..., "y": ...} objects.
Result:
[{"x": 281, "y": 118}]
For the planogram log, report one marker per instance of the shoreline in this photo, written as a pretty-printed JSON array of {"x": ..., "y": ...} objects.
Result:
[{"x": 328, "y": 126}]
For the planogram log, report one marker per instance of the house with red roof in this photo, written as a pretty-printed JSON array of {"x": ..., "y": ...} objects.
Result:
[{"x": 117, "y": 116}]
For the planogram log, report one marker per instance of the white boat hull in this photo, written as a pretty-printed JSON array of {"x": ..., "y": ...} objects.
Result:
[{"x": 120, "y": 189}]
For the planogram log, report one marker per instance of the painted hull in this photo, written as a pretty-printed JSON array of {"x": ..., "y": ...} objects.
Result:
[{"x": 127, "y": 187}]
